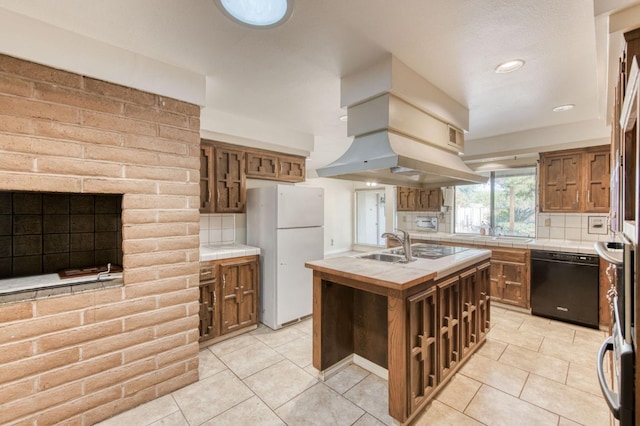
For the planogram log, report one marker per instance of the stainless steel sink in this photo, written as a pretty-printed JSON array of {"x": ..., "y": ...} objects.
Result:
[{"x": 383, "y": 257}]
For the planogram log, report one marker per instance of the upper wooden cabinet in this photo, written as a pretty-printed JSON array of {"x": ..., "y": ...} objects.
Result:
[
  {"x": 575, "y": 180},
  {"x": 416, "y": 199},
  {"x": 230, "y": 183},
  {"x": 261, "y": 165},
  {"x": 291, "y": 169},
  {"x": 224, "y": 169}
]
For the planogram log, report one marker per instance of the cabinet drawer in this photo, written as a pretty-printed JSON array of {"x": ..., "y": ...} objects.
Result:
[
  {"x": 206, "y": 272},
  {"x": 509, "y": 255}
]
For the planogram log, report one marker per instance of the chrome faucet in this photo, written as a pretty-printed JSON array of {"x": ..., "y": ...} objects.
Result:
[{"x": 403, "y": 239}]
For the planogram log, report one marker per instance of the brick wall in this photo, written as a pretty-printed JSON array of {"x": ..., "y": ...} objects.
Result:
[{"x": 84, "y": 357}]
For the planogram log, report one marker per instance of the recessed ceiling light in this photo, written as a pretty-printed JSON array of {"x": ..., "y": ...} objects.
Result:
[
  {"x": 509, "y": 66},
  {"x": 344, "y": 118},
  {"x": 257, "y": 13},
  {"x": 561, "y": 108}
]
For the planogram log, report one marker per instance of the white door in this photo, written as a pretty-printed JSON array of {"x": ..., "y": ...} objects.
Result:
[
  {"x": 294, "y": 293},
  {"x": 299, "y": 206}
]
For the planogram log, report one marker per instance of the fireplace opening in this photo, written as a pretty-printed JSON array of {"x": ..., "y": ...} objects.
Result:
[{"x": 67, "y": 234}]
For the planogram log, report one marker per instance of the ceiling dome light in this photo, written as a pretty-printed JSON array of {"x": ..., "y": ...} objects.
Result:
[
  {"x": 561, "y": 108},
  {"x": 510, "y": 66},
  {"x": 257, "y": 13}
]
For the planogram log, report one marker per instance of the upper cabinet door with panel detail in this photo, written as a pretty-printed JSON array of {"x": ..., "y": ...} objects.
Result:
[
  {"x": 597, "y": 180},
  {"x": 206, "y": 179},
  {"x": 261, "y": 166},
  {"x": 230, "y": 182},
  {"x": 560, "y": 182},
  {"x": 291, "y": 169}
]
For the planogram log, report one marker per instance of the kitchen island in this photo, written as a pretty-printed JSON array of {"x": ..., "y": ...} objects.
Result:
[{"x": 420, "y": 320}]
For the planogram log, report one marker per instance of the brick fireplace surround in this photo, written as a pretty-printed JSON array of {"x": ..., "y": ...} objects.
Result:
[{"x": 81, "y": 358}]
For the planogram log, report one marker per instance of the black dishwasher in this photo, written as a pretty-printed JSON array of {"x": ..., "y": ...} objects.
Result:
[{"x": 564, "y": 286}]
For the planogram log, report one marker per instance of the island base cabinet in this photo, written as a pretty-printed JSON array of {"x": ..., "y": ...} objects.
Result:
[
  {"x": 469, "y": 310},
  {"x": 449, "y": 325},
  {"x": 484, "y": 300},
  {"x": 423, "y": 335}
]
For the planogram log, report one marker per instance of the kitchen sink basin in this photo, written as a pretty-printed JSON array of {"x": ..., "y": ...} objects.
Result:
[{"x": 383, "y": 257}]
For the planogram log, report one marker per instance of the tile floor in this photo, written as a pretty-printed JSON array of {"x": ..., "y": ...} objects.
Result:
[{"x": 531, "y": 371}]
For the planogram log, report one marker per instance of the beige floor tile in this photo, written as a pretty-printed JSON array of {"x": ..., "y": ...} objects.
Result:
[
  {"x": 439, "y": 414},
  {"x": 584, "y": 378},
  {"x": 299, "y": 351},
  {"x": 209, "y": 364},
  {"x": 347, "y": 378},
  {"x": 584, "y": 353},
  {"x": 589, "y": 336},
  {"x": 368, "y": 420},
  {"x": 546, "y": 328},
  {"x": 573, "y": 404},
  {"x": 275, "y": 338},
  {"x": 320, "y": 406},
  {"x": 207, "y": 398},
  {"x": 493, "y": 407},
  {"x": 492, "y": 348},
  {"x": 145, "y": 414},
  {"x": 232, "y": 345},
  {"x": 251, "y": 359},
  {"x": 567, "y": 422},
  {"x": 514, "y": 336},
  {"x": 280, "y": 382},
  {"x": 501, "y": 376},
  {"x": 250, "y": 412},
  {"x": 459, "y": 392},
  {"x": 372, "y": 395},
  {"x": 535, "y": 362},
  {"x": 173, "y": 419},
  {"x": 306, "y": 326}
]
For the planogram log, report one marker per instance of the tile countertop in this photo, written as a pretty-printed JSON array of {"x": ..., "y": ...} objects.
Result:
[
  {"x": 225, "y": 251},
  {"x": 567, "y": 246},
  {"x": 399, "y": 274}
]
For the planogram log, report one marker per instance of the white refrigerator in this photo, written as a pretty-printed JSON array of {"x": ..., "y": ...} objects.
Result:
[{"x": 286, "y": 223}]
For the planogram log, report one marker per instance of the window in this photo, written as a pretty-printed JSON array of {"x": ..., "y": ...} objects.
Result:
[
  {"x": 505, "y": 204},
  {"x": 370, "y": 219}
]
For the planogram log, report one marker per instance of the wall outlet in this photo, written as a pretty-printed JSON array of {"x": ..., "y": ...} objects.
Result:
[{"x": 547, "y": 222}]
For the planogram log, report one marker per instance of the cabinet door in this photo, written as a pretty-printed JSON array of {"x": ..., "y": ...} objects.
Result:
[
  {"x": 448, "y": 325},
  {"x": 261, "y": 165},
  {"x": 597, "y": 180},
  {"x": 469, "y": 311},
  {"x": 560, "y": 183},
  {"x": 509, "y": 283},
  {"x": 423, "y": 337},
  {"x": 208, "y": 325},
  {"x": 291, "y": 169},
  {"x": 484, "y": 299},
  {"x": 206, "y": 179},
  {"x": 239, "y": 294},
  {"x": 435, "y": 199},
  {"x": 406, "y": 199},
  {"x": 230, "y": 181}
]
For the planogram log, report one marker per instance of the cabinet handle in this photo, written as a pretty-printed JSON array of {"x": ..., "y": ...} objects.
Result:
[
  {"x": 588, "y": 195},
  {"x": 577, "y": 196},
  {"x": 214, "y": 298},
  {"x": 224, "y": 281},
  {"x": 209, "y": 198}
]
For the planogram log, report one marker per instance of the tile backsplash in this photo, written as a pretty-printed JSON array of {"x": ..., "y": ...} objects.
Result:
[
  {"x": 557, "y": 226},
  {"x": 217, "y": 229}
]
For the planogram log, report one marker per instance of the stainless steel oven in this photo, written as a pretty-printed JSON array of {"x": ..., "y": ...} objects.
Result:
[{"x": 620, "y": 396}]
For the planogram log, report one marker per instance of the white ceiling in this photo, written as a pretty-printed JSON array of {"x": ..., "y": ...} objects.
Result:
[{"x": 288, "y": 78}]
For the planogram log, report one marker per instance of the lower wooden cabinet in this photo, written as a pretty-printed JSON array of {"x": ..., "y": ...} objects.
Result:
[
  {"x": 510, "y": 276},
  {"x": 423, "y": 355},
  {"x": 446, "y": 323},
  {"x": 229, "y": 296}
]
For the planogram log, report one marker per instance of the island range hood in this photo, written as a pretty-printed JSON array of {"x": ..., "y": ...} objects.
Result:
[
  {"x": 406, "y": 131},
  {"x": 393, "y": 159}
]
